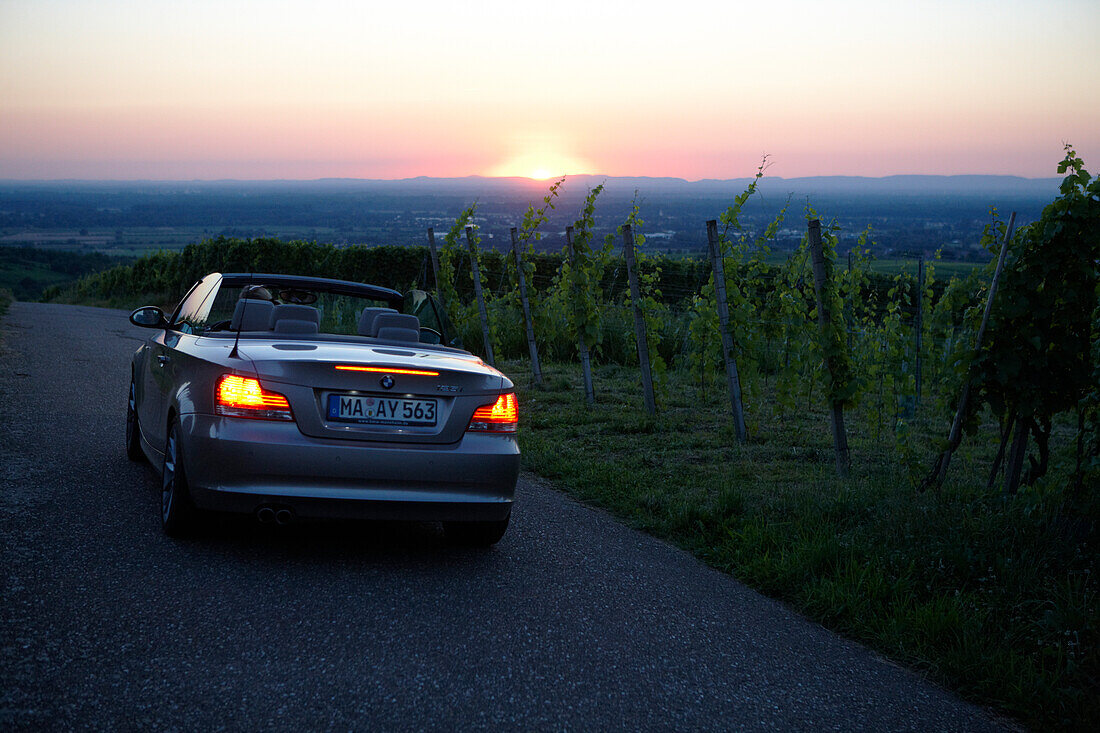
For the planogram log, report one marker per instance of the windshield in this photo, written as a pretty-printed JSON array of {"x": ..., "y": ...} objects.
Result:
[{"x": 336, "y": 313}]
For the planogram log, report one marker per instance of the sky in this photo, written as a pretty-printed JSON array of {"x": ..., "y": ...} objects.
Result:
[{"x": 114, "y": 89}]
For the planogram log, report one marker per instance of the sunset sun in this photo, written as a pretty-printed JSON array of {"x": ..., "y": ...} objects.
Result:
[{"x": 541, "y": 161}]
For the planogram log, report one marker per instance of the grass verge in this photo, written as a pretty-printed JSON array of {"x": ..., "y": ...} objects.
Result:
[{"x": 992, "y": 597}]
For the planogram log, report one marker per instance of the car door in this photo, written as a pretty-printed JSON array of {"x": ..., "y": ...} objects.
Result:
[
  {"x": 151, "y": 382},
  {"x": 164, "y": 361}
]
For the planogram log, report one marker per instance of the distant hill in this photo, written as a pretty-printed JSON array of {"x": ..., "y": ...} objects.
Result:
[
  {"x": 909, "y": 214},
  {"x": 477, "y": 186}
]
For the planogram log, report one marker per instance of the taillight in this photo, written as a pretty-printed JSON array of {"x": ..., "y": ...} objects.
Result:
[
  {"x": 244, "y": 397},
  {"x": 500, "y": 417}
]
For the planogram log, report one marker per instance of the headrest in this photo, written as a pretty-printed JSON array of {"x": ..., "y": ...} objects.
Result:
[
  {"x": 252, "y": 315},
  {"x": 367, "y": 325},
  {"x": 396, "y": 320},
  {"x": 397, "y": 327},
  {"x": 295, "y": 313},
  {"x": 293, "y": 325},
  {"x": 390, "y": 333}
]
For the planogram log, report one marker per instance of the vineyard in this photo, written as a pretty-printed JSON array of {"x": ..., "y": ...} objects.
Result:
[{"x": 794, "y": 420}]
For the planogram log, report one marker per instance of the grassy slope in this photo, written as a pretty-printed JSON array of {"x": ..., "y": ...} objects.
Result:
[
  {"x": 26, "y": 272},
  {"x": 993, "y": 599},
  {"x": 29, "y": 277}
]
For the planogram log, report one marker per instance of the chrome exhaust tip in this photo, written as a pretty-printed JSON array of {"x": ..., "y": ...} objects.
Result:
[
  {"x": 266, "y": 515},
  {"x": 283, "y": 517}
]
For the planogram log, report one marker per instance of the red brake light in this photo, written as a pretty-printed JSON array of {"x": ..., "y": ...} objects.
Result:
[
  {"x": 386, "y": 370},
  {"x": 500, "y": 417},
  {"x": 244, "y": 397}
]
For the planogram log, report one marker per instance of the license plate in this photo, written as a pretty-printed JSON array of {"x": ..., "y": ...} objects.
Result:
[{"x": 376, "y": 410}]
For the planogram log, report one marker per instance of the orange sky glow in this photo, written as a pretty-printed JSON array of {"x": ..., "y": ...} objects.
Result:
[{"x": 258, "y": 90}]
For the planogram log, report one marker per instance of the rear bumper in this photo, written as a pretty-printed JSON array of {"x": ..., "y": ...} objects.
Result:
[{"x": 239, "y": 465}]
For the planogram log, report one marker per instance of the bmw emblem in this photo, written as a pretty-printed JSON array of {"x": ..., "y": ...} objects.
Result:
[{"x": 386, "y": 382}]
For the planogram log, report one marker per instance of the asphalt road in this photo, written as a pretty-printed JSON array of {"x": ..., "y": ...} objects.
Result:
[{"x": 572, "y": 622}]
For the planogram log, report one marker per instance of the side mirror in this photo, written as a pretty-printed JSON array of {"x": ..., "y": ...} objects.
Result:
[
  {"x": 430, "y": 336},
  {"x": 149, "y": 316}
]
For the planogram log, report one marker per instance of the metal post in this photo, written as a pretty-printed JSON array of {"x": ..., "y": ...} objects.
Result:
[
  {"x": 582, "y": 346},
  {"x": 817, "y": 256},
  {"x": 480, "y": 297},
  {"x": 732, "y": 378},
  {"x": 536, "y": 370},
  {"x": 640, "y": 334}
]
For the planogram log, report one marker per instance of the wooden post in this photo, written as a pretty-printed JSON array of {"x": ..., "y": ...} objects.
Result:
[
  {"x": 817, "y": 257},
  {"x": 640, "y": 334},
  {"x": 480, "y": 297},
  {"x": 1016, "y": 457},
  {"x": 586, "y": 364},
  {"x": 848, "y": 309},
  {"x": 939, "y": 470},
  {"x": 536, "y": 370},
  {"x": 733, "y": 380},
  {"x": 920, "y": 325},
  {"x": 1005, "y": 435},
  {"x": 435, "y": 263}
]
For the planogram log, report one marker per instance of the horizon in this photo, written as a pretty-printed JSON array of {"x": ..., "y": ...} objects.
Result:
[
  {"x": 246, "y": 91},
  {"x": 528, "y": 179}
]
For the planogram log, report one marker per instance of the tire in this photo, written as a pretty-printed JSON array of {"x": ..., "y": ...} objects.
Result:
[
  {"x": 133, "y": 431},
  {"x": 475, "y": 534},
  {"x": 178, "y": 515}
]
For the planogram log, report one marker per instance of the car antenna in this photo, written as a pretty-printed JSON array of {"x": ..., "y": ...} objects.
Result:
[{"x": 233, "y": 354}]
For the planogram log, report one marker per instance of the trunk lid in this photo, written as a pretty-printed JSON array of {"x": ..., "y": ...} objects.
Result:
[{"x": 447, "y": 385}]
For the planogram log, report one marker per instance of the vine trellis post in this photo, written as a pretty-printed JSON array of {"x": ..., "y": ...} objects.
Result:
[
  {"x": 435, "y": 264},
  {"x": 639, "y": 319},
  {"x": 920, "y": 325},
  {"x": 480, "y": 296},
  {"x": 817, "y": 257},
  {"x": 936, "y": 477},
  {"x": 732, "y": 378},
  {"x": 532, "y": 347},
  {"x": 582, "y": 345}
]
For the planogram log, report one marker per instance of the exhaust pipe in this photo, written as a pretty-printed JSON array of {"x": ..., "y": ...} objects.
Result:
[
  {"x": 283, "y": 517},
  {"x": 266, "y": 515}
]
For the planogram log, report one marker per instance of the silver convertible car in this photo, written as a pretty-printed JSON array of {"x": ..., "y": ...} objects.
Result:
[{"x": 295, "y": 397}]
